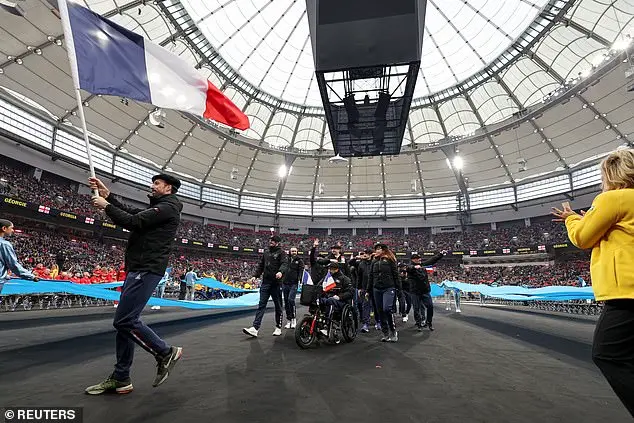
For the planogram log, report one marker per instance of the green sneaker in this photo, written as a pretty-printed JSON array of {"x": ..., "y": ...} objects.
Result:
[{"x": 111, "y": 385}]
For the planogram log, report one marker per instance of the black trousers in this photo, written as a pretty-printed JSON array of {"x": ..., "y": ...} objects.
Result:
[
  {"x": 269, "y": 290},
  {"x": 613, "y": 348},
  {"x": 423, "y": 308}
]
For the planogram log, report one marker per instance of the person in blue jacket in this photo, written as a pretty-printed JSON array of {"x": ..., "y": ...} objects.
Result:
[{"x": 8, "y": 258}]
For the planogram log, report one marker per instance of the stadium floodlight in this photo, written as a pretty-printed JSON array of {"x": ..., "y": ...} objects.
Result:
[
  {"x": 458, "y": 162},
  {"x": 337, "y": 159},
  {"x": 283, "y": 170}
]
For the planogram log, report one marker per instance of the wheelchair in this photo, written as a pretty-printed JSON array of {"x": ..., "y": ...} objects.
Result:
[{"x": 342, "y": 326}]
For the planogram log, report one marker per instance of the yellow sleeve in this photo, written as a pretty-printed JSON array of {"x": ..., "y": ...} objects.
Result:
[{"x": 586, "y": 232}]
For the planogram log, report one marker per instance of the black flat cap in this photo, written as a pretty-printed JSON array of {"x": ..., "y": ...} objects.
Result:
[
  {"x": 276, "y": 238},
  {"x": 169, "y": 179},
  {"x": 415, "y": 256}
]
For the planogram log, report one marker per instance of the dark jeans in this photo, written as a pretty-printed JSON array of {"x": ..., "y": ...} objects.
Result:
[
  {"x": 290, "y": 292},
  {"x": 384, "y": 299},
  {"x": 404, "y": 303},
  {"x": 613, "y": 348},
  {"x": 419, "y": 302},
  {"x": 364, "y": 308},
  {"x": 269, "y": 290},
  {"x": 137, "y": 290},
  {"x": 375, "y": 309},
  {"x": 332, "y": 305}
]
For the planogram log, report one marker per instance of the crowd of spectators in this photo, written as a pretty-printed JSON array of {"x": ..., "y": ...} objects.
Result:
[
  {"x": 19, "y": 180},
  {"x": 48, "y": 190},
  {"x": 559, "y": 273}
]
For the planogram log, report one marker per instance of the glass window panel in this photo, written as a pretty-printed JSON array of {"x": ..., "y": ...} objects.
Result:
[
  {"x": 405, "y": 207},
  {"x": 223, "y": 198},
  {"x": 266, "y": 205},
  {"x": 586, "y": 177},
  {"x": 190, "y": 190},
  {"x": 297, "y": 208},
  {"x": 75, "y": 148},
  {"x": 268, "y": 42},
  {"x": 132, "y": 171},
  {"x": 480, "y": 200},
  {"x": 544, "y": 188},
  {"x": 442, "y": 204},
  {"x": 366, "y": 208},
  {"x": 331, "y": 208},
  {"x": 25, "y": 125}
]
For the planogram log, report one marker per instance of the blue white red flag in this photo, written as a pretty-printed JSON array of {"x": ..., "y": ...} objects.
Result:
[
  {"x": 329, "y": 283},
  {"x": 306, "y": 279},
  {"x": 111, "y": 60}
]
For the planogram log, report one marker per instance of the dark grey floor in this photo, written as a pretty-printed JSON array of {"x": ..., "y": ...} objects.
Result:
[{"x": 485, "y": 365}]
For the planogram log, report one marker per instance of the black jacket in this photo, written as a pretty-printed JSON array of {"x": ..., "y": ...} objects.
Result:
[
  {"x": 404, "y": 283},
  {"x": 273, "y": 260},
  {"x": 318, "y": 265},
  {"x": 383, "y": 274},
  {"x": 344, "y": 288},
  {"x": 152, "y": 231},
  {"x": 418, "y": 279},
  {"x": 343, "y": 265},
  {"x": 295, "y": 270},
  {"x": 362, "y": 272}
]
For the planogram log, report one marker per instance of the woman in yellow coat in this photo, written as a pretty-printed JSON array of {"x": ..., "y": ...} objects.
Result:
[{"x": 608, "y": 228}]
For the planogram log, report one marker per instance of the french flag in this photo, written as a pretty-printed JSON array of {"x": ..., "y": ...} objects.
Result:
[
  {"x": 111, "y": 60},
  {"x": 306, "y": 279},
  {"x": 329, "y": 283}
]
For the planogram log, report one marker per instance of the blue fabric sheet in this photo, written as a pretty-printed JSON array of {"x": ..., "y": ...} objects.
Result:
[
  {"x": 519, "y": 293},
  {"x": 23, "y": 287}
]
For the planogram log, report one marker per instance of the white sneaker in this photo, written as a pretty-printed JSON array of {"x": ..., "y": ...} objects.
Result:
[
  {"x": 324, "y": 332},
  {"x": 288, "y": 325},
  {"x": 158, "y": 307},
  {"x": 116, "y": 305},
  {"x": 458, "y": 310},
  {"x": 251, "y": 331},
  {"x": 154, "y": 308},
  {"x": 277, "y": 332},
  {"x": 405, "y": 319},
  {"x": 293, "y": 323}
]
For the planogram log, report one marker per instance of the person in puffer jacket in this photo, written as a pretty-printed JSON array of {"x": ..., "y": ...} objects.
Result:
[
  {"x": 272, "y": 268},
  {"x": 384, "y": 279}
]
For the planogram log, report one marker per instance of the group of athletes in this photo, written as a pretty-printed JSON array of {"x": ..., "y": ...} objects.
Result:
[{"x": 373, "y": 280}]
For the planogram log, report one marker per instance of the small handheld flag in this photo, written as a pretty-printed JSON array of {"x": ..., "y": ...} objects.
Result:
[
  {"x": 306, "y": 279},
  {"x": 329, "y": 283}
]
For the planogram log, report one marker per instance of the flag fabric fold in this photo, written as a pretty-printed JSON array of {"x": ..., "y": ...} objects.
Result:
[
  {"x": 329, "y": 283},
  {"x": 112, "y": 60},
  {"x": 306, "y": 279}
]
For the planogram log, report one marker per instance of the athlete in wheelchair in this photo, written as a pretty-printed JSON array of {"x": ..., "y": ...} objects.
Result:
[{"x": 330, "y": 310}]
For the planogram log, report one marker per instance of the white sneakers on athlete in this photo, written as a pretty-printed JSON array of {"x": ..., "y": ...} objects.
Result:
[
  {"x": 405, "y": 319},
  {"x": 250, "y": 331},
  {"x": 458, "y": 310},
  {"x": 293, "y": 323},
  {"x": 277, "y": 332},
  {"x": 288, "y": 325}
]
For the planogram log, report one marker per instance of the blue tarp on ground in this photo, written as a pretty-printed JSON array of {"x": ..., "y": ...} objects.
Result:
[
  {"x": 251, "y": 298},
  {"x": 22, "y": 287},
  {"x": 520, "y": 293},
  {"x": 209, "y": 282}
]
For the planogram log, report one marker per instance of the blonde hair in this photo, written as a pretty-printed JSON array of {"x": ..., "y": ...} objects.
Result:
[{"x": 617, "y": 170}]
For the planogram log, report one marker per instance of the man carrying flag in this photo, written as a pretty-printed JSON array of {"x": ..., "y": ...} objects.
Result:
[{"x": 337, "y": 289}]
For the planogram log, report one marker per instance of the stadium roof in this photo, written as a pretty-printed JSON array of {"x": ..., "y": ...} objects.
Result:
[{"x": 536, "y": 81}]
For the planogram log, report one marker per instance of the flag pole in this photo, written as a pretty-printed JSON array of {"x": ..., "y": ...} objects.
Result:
[{"x": 74, "y": 70}]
